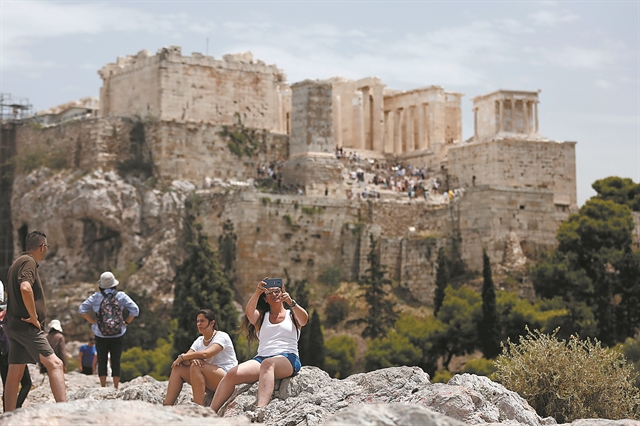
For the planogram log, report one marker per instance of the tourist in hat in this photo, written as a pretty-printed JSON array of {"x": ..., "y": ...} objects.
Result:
[
  {"x": 56, "y": 340},
  {"x": 108, "y": 323}
]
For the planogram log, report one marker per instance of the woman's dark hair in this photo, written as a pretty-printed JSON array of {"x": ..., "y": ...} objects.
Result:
[
  {"x": 263, "y": 307},
  {"x": 210, "y": 315}
]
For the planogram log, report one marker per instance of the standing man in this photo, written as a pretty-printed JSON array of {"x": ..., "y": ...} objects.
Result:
[{"x": 26, "y": 312}]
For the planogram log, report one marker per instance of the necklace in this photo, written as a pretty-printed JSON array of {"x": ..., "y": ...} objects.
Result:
[{"x": 207, "y": 342}]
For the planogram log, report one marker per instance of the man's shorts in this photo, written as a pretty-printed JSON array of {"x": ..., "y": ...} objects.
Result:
[
  {"x": 293, "y": 359},
  {"x": 27, "y": 344}
]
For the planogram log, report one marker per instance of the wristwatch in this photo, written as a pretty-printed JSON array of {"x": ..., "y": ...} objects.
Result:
[{"x": 293, "y": 303}]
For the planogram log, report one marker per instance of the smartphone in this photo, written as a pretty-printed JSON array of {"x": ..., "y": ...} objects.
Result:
[{"x": 273, "y": 282}]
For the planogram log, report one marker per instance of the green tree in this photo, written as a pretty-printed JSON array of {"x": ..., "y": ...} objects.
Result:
[
  {"x": 488, "y": 332},
  {"x": 594, "y": 264},
  {"x": 136, "y": 362},
  {"x": 460, "y": 313},
  {"x": 442, "y": 280},
  {"x": 151, "y": 324},
  {"x": 381, "y": 315},
  {"x": 316, "y": 350},
  {"x": 200, "y": 284},
  {"x": 619, "y": 190},
  {"x": 341, "y": 354},
  {"x": 425, "y": 334},
  {"x": 300, "y": 294},
  {"x": 394, "y": 350}
]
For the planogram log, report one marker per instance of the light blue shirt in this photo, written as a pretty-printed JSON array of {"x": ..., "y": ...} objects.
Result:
[{"x": 94, "y": 301}]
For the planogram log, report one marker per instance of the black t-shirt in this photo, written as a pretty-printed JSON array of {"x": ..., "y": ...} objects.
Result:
[{"x": 24, "y": 268}]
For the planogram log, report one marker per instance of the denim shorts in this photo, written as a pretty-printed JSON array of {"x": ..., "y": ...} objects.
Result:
[{"x": 293, "y": 359}]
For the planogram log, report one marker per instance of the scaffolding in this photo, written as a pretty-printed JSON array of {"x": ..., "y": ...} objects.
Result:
[{"x": 14, "y": 109}]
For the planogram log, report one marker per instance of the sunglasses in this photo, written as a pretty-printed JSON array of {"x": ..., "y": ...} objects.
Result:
[{"x": 274, "y": 292}]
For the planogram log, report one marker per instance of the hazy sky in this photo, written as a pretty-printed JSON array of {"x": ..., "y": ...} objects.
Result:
[{"x": 584, "y": 56}]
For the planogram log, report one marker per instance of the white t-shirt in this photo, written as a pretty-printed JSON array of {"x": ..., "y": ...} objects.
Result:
[{"x": 226, "y": 359}]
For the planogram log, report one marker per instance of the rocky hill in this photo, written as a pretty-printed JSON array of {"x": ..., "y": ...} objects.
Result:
[{"x": 393, "y": 396}]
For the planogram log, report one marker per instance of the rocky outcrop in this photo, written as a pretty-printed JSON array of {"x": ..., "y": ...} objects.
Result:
[
  {"x": 401, "y": 396},
  {"x": 99, "y": 221}
]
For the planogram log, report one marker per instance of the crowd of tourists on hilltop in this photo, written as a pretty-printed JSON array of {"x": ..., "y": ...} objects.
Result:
[
  {"x": 210, "y": 364},
  {"x": 401, "y": 179}
]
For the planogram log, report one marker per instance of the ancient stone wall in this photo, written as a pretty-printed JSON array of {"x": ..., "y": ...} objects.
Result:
[
  {"x": 488, "y": 213},
  {"x": 196, "y": 151},
  {"x": 518, "y": 164},
  {"x": 169, "y": 86},
  {"x": 83, "y": 144}
]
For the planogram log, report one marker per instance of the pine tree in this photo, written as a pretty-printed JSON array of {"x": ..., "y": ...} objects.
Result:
[
  {"x": 316, "y": 350},
  {"x": 201, "y": 285},
  {"x": 381, "y": 314},
  {"x": 488, "y": 331},
  {"x": 442, "y": 280}
]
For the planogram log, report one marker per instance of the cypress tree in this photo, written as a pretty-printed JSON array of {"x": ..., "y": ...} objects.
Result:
[
  {"x": 442, "y": 280},
  {"x": 200, "y": 285},
  {"x": 488, "y": 332},
  {"x": 300, "y": 294},
  {"x": 316, "y": 350},
  {"x": 381, "y": 314}
]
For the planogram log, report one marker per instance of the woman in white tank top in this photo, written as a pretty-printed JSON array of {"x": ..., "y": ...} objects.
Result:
[{"x": 277, "y": 330}]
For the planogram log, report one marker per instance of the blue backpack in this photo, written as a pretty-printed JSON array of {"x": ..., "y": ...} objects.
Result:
[{"x": 110, "y": 315}]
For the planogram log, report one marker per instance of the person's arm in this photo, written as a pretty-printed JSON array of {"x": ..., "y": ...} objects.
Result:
[
  {"x": 252, "y": 305},
  {"x": 63, "y": 352},
  {"x": 86, "y": 307},
  {"x": 299, "y": 312},
  {"x": 131, "y": 306},
  {"x": 94, "y": 364},
  {"x": 180, "y": 359},
  {"x": 29, "y": 302},
  {"x": 80, "y": 361},
  {"x": 205, "y": 354},
  {"x": 89, "y": 318}
]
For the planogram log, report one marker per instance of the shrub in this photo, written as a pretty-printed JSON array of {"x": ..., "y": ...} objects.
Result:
[
  {"x": 394, "y": 350},
  {"x": 631, "y": 350},
  {"x": 571, "y": 379},
  {"x": 331, "y": 277},
  {"x": 337, "y": 309},
  {"x": 480, "y": 367},
  {"x": 155, "y": 363},
  {"x": 340, "y": 355}
]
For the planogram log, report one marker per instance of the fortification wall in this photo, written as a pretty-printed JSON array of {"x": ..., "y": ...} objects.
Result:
[
  {"x": 518, "y": 164},
  {"x": 83, "y": 144},
  {"x": 306, "y": 235},
  {"x": 188, "y": 151},
  {"x": 169, "y": 86},
  {"x": 488, "y": 214}
]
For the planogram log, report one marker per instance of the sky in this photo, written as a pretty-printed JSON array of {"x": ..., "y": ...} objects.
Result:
[{"x": 582, "y": 55}]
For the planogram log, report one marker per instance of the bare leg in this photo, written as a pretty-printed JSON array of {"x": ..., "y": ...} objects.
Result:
[
  {"x": 55, "y": 370},
  {"x": 271, "y": 369},
  {"x": 179, "y": 375},
  {"x": 207, "y": 376},
  {"x": 11, "y": 390},
  {"x": 103, "y": 381},
  {"x": 247, "y": 372},
  {"x": 116, "y": 381}
]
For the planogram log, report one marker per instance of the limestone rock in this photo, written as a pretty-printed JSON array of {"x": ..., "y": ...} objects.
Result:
[
  {"x": 312, "y": 397},
  {"x": 390, "y": 415},
  {"x": 113, "y": 413}
]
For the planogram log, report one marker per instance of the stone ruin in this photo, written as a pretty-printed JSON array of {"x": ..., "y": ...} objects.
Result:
[{"x": 215, "y": 124}]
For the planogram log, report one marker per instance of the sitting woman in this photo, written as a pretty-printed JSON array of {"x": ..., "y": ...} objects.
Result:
[
  {"x": 277, "y": 330},
  {"x": 210, "y": 357}
]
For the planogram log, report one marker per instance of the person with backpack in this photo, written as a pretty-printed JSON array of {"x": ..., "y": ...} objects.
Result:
[
  {"x": 109, "y": 324},
  {"x": 277, "y": 329}
]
